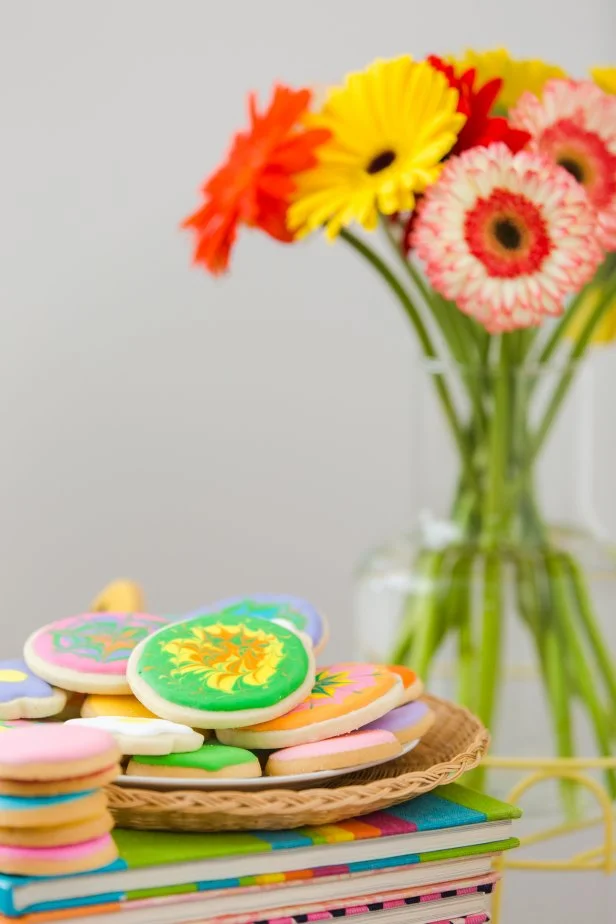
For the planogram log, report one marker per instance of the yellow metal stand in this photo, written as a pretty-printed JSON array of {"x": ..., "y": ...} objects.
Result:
[{"x": 600, "y": 858}]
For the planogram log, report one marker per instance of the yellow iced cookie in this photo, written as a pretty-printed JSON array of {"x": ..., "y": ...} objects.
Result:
[{"x": 97, "y": 704}]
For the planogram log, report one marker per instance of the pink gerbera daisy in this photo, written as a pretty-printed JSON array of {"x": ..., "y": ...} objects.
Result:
[
  {"x": 574, "y": 124},
  {"x": 506, "y": 236}
]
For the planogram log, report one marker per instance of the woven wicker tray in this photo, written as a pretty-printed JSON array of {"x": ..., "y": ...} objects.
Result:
[{"x": 456, "y": 743}]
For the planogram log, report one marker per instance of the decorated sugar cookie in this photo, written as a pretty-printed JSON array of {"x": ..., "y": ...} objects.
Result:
[
  {"x": 89, "y": 653},
  {"x": 144, "y": 736},
  {"x": 211, "y": 760},
  {"x": 413, "y": 685},
  {"x": 55, "y": 752},
  {"x": 58, "y": 835},
  {"x": 42, "y": 811},
  {"x": 344, "y": 697},
  {"x": 407, "y": 722},
  {"x": 24, "y": 695},
  {"x": 58, "y": 861},
  {"x": 97, "y": 704},
  {"x": 288, "y": 611},
  {"x": 73, "y": 784},
  {"x": 217, "y": 671},
  {"x": 361, "y": 747}
]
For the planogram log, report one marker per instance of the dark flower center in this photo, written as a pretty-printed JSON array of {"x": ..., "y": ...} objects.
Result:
[
  {"x": 381, "y": 162},
  {"x": 573, "y": 167},
  {"x": 507, "y": 233}
]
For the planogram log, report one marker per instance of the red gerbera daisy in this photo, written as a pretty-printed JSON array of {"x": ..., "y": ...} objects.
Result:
[
  {"x": 254, "y": 185},
  {"x": 480, "y": 128}
]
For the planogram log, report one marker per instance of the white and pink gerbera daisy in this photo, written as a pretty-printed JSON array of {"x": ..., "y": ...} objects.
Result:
[
  {"x": 506, "y": 236},
  {"x": 574, "y": 124}
]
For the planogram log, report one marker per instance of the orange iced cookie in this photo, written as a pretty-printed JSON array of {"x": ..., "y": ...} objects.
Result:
[
  {"x": 344, "y": 697},
  {"x": 413, "y": 685}
]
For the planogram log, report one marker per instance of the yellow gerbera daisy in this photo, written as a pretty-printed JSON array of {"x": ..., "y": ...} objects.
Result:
[
  {"x": 605, "y": 77},
  {"x": 391, "y": 125},
  {"x": 517, "y": 74},
  {"x": 605, "y": 332}
]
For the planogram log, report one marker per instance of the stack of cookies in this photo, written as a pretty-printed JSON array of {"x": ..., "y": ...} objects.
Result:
[{"x": 53, "y": 809}]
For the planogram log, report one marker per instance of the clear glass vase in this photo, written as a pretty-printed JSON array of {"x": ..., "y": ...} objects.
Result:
[{"x": 503, "y": 593}]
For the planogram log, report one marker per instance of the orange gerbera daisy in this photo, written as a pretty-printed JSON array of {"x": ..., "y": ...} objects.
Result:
[{"x": 255, "y": 183}]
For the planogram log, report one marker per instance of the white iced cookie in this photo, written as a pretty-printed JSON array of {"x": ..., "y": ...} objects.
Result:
[{"x": 145, "y": 736}]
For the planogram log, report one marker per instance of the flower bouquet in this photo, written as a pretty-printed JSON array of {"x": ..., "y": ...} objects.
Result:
[{"x": 493, "y": 184}]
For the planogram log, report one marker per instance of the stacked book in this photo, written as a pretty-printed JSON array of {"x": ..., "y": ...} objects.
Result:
[{"x": 428, "y": 860}]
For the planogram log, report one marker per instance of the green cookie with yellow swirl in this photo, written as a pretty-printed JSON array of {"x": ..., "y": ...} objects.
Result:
[{"x": 222, "y": 670}]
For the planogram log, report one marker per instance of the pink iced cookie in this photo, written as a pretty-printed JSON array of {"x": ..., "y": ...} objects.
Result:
[
  {"x": 55, "y": 752},
  {"x": 58, "y": 861},
  {"x": 89, "y": 653},
  {"x": 407, "y": 722},
  {"x": 362, "y": 747}
]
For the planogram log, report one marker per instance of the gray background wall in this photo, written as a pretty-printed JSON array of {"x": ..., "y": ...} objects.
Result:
[{"x": 208, "y": 436}]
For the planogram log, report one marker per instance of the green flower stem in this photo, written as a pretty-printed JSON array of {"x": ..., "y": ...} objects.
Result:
[
  {"x": 560, "y": 330},
  {"x": 394, "y": 284},
  {"x": 461, "y": 605},
  {"x": 528, "y": 599},
  {"x": 422, "y": 616},
  {"x": 488, "y": 669},
  {"x": 450, "y": 323},
  {"x": 495, "y": 514},
  {"x": 490, "y": 653},
  {"x": 558, "y": 334},
  {"x": 562, "y": 389},
  {"x": 558, "y": 696},
  {"x": 402, "y": 653},
  {"x": 424, "y": 338},
  {"x": 586, "y": 616},
  {"x": 582, "y": 678},
  {"x": 405, "y": 645}
]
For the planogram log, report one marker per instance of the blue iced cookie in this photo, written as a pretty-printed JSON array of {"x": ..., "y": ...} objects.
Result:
[
  {"x": 292, "y": 612},
  {"x": 23, "y": 695},
  {"x": 42, "y": 811}
]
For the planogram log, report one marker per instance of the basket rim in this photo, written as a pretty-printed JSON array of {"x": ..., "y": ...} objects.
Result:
[{"x": 353, "y": 795}]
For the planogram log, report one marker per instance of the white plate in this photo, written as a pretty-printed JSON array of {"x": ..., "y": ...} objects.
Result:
[{"x": 297, "y": 781}]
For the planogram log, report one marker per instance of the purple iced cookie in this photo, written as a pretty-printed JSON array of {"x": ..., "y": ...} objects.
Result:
[
  {"x": 407, "y": 722},
  {"x": 292, "y": 612},
  {"x": 23, "y": 695}
]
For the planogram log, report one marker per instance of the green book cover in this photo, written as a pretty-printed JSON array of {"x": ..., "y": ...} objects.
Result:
[
  {"x": 450, "y": 806},
  {"x": 449, "y": 823}
]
